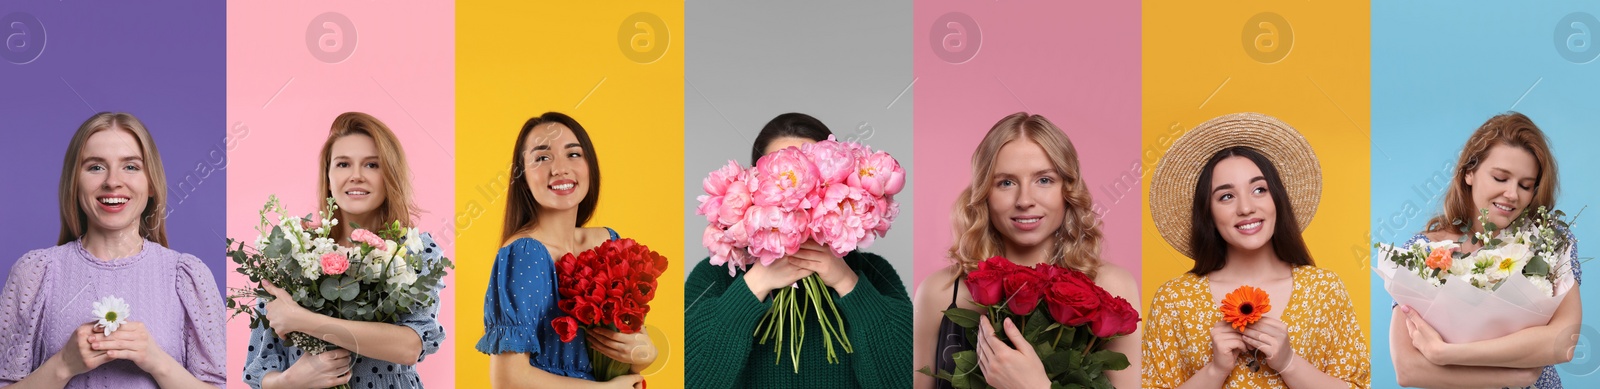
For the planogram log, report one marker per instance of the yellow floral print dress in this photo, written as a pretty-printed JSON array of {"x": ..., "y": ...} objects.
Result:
[{"x": 1322, "y": 330}]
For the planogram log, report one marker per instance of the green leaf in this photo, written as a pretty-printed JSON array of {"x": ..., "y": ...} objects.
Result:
[
  {"x": 962, "y": 317},
  {"x": 329, "y": 288},
  {"x": 1109, "y": 360},
  {"x": 1058, "y": 361},
  {"x": 1037, "y": 321},
  {"x": 1536, "y": 268}
]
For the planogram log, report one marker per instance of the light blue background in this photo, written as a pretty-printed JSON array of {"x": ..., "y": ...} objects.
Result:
[{"x": 1439, "y": 69}]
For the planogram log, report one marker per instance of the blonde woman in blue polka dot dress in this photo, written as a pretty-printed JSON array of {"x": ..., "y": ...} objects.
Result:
[
  {"x": 364, "y": 170},
  {"x": 554, "y": 189}
]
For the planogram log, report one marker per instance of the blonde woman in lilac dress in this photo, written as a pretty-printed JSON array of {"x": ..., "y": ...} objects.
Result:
[{"x": 113, "y": 243}]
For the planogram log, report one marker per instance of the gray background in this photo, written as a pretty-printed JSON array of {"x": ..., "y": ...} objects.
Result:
[{"x": 846, "y": 63}]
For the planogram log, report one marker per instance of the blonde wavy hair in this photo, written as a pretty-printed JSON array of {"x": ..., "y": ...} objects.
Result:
[
  {"x": 1077, "y": 240},
  {"x": 397, "y": 203},
  {"x": 74, "y": 220}
]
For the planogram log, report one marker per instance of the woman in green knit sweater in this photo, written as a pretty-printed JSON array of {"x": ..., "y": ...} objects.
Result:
[{"x": 722, "y": 312}]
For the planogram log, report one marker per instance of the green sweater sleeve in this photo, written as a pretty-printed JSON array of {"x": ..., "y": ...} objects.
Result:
[
  {"x": 719, "y": 315},
  {"x": 877, "y": 316}
]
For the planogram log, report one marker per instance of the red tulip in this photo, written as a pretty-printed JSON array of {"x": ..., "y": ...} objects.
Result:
[{"x": 565, "y": 327}]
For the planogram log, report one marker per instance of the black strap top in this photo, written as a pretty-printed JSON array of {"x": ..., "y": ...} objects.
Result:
[{"x": 952, "y": 339}]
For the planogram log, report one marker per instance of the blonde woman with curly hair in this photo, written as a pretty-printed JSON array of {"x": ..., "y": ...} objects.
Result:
[{"x": 1027, "y": 202}]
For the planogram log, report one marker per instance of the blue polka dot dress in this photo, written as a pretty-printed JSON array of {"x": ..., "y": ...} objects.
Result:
[
  {"x": 268, "y": 353},
  {"x": 518, "y": 308}
]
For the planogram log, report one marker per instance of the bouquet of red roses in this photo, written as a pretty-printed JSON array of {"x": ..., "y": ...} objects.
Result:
[
  {"x": 609, "y": 286},
  {"x": 1069, "y": 332}
]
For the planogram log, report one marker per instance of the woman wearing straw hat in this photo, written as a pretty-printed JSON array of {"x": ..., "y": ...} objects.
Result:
[
  {"x": 1233, "y": 194},
  {"x": 1506, "y": 166},
  {"x": 1028, "y": 203}
]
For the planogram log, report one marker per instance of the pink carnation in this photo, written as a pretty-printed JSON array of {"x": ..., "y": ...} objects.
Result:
[
  {"x": 361, "y": 235},
  {"x": 335, "y": 263},
  {"x": 784, "y": 179}
]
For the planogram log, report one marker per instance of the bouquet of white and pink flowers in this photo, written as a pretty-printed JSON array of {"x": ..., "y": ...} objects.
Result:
[
  {"x": 839, "y": 194},
  {"x": 381, "y": 277},
  {"x": 1516, "y": 279}
]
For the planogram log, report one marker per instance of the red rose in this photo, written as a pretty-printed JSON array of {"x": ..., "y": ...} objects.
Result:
[
  {"x": 1115, "y": 318},
  {"x": 1023, "y": 288},
  {"x": 999, "y": 265},
  {"x": 565, "y": 327},
  {"x": 986, "y": 283},
  {"x": 1071, "y": 301},
  {"x": 985, "y": 287}
]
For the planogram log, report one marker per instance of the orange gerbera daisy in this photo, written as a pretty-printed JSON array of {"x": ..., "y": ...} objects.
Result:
[{"x": 1244, "y": 306}]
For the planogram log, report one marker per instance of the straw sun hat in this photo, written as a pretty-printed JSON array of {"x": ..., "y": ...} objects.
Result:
[{"x": 1172, "y": 187}]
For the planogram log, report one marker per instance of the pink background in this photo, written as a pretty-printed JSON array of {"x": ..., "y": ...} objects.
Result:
[
  {"x": 402, "y": 72},
  {"x": 1077, "y": 65}
]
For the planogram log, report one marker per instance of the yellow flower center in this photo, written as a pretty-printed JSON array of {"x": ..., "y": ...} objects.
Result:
[
  {"x": 791, "y": 177},
  {"x": 1506, "y": 265},
  {"x": 868, "y": 171}
]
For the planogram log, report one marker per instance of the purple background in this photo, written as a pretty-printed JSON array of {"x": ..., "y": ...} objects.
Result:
[{"x": 165, "y": 63}]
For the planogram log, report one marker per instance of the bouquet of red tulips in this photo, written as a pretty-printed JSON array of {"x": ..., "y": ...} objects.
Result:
[{"x": 609, "y": 286}]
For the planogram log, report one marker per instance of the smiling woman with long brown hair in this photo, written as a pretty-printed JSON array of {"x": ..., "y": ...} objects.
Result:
[{"x": 363, "y": 168}]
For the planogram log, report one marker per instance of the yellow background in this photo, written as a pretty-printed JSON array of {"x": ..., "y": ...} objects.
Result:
[
  {"x": 517, "y": 60},
  {"x": 1322, "y": 88}
]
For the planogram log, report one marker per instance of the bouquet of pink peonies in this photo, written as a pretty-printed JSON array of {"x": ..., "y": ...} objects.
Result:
[{"x": 839, "y": 194}]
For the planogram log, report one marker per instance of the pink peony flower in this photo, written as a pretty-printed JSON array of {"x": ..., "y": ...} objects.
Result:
[
  {"x": 784, "y": 179},
  {"x": 361, "y": 235},
  {"x": 735, "y": 203},
  {"x": 879, "y": 174},
  {"x": 335, "y": 263},
  {"x": 835, "y": 161},
  {"x": 730, "y": 179},
  {"x": 840, "y": 221},
  {"x": 775, "y": 232},
  {"x": 725, "y": 250}
]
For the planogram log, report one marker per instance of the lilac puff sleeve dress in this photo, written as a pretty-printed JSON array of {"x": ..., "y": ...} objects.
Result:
[{"x": 50, "y": 292}]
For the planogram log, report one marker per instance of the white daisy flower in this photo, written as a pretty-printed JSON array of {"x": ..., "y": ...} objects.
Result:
[{"x": 110, "y": 313}]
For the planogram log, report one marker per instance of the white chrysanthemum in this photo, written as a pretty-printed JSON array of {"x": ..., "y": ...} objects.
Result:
[
  {"x": 110, "y": 313},
  {"x": 1543, "y": 285}
]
